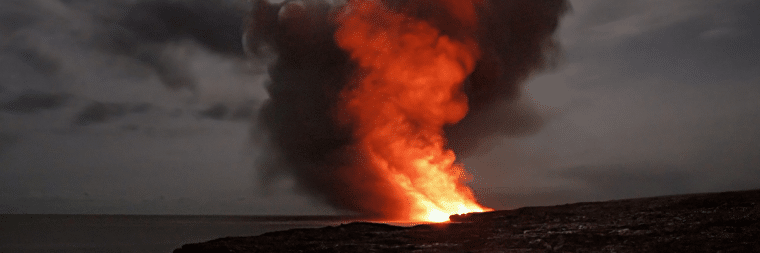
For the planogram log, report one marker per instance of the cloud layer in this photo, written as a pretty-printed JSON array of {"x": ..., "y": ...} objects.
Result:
[{"x": 132, "y": 100}]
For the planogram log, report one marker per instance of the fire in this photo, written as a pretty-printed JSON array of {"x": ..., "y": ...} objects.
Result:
[{"x": 408, "y": 88}]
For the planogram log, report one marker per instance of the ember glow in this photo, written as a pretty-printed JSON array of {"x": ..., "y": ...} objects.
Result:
[{"x": 408, "y": 86}]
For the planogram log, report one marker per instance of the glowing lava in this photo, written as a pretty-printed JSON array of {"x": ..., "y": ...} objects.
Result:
[{"x": 409, "y": 86}]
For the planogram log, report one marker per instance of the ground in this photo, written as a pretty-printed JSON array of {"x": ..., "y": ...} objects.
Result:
[{"x": 711, "y": 222}]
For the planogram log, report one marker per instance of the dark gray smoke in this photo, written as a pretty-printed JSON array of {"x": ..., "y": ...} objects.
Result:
[
  {"x": 297, "y": 122},
  {"x": 516, "y": 38}
]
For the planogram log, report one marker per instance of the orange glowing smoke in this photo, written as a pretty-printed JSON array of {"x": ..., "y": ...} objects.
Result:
[{"x": 408, "y": 88}]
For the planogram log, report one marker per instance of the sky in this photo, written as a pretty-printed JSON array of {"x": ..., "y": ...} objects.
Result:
[{"x": 148, "y": 107}]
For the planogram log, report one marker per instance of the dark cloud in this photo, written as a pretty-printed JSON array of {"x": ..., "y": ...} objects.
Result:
[
  {"x": 108, "y": 58},
  {"x": 101, "y": 112},
  {"x": 217, "y": 112},
  {"x": 141, "y": 108},
  {"x": 215, "y": 24},
  {"x": 173, "y": 73},
  {"x": 98, "y": 112},
  {"x": 13, "y": 16},
  {"x": 157, "y": 37},
  {"x": 239, "y": 112},
  {"x": 147, "y": 28},
  {"x": 6, "y": 140},
  {"x": 516, "y": 38},
  {"x": 38, "y": 60},
  {"x": 243, "y": 113},
  {"x": 33, "y": 102},
  {"x": 246, "y": 111}
]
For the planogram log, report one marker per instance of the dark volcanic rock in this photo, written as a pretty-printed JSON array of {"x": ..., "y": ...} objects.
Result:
[{"x": 713, "y": 222}]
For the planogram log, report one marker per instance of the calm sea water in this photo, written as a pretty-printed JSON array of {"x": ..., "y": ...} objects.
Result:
[{"x": 137, "y": 233}]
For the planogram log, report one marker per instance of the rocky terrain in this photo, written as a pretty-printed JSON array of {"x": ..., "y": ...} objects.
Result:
[{"x": 712, "y": 222}]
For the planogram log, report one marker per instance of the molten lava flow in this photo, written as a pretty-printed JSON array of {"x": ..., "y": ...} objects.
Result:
[{"x": 409, "y": 87}]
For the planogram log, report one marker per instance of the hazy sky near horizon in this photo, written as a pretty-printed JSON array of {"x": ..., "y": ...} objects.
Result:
[{"x": 111, "y": 106}]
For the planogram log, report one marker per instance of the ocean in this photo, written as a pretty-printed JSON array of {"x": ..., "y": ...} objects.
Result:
[{"x": 22, "y": 233}]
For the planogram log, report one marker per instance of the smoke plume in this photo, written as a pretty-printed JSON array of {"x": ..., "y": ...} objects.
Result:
[{"x": 300, "y": 122}]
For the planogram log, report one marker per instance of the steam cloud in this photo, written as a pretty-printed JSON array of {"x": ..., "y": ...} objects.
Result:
[{"x": 297, "y": 123}]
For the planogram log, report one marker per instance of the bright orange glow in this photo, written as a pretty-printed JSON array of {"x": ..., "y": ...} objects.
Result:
[{"x": 409, "y": 87}]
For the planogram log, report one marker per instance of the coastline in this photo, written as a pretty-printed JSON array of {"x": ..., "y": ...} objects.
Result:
[{"x": 706, "y": 222}]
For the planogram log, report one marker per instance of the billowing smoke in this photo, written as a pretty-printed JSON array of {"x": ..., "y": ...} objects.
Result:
[{"x": 298, "y": 123}]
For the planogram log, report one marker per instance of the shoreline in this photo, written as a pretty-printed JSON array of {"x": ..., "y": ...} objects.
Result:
[{"x": 703, "y": 222}]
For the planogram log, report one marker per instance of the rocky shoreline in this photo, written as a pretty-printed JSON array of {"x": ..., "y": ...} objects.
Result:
[{"x": 710, "y": 222}]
